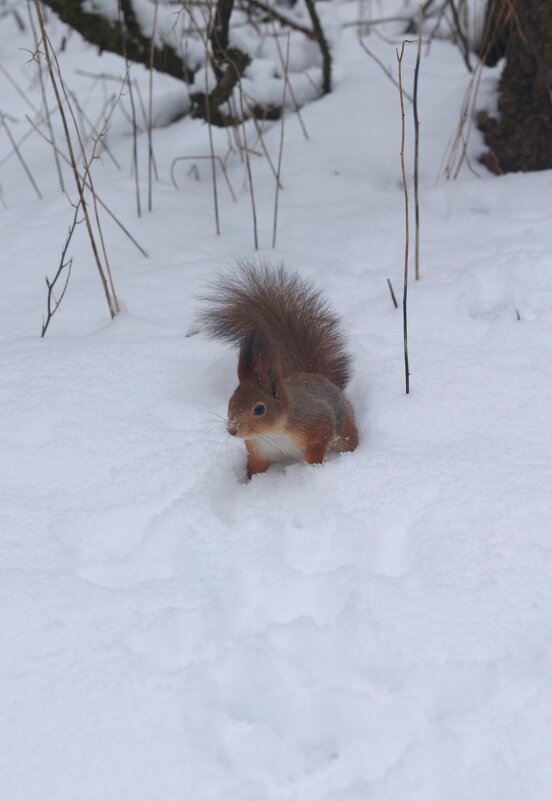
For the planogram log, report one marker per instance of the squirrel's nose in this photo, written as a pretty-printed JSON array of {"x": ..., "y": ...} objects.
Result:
[{"x": 232, "y": 427}]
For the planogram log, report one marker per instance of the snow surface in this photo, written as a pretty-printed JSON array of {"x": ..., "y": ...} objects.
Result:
[{"x": 378, "y": 627}]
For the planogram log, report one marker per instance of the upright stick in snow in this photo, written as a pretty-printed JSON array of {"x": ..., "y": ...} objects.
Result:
[
  {"x": 417, "y": 140},
  {"x": 281, "y": 150},
  {"x": 150, "y": 107},
  {"x": 406, "y": 244}
]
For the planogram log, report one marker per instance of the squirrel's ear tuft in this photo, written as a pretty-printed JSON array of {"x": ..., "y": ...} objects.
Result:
[
  {"x": 264, "y": 368},
  {"x": 255, "y": 356},
  {"x": 272, "y": 376},
  {"x": 257, "y": 361},
  {"x": 246, "y": 361}
]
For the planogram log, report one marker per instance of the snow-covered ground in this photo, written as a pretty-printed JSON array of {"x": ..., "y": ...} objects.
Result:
[{"x": 378, "y": 627}]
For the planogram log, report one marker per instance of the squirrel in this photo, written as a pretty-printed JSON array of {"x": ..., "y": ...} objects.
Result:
[{"x": 292, "y": 366}]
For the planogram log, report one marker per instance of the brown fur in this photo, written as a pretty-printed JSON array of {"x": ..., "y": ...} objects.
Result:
[
  {"x": 294, "y": 316},
  {"x": 292, "y": 367}
]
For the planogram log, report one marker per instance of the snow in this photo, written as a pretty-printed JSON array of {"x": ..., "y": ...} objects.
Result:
[{"x": 377, "y": 627}]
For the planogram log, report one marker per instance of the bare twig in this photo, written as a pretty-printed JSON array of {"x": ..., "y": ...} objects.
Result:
[
  {"x": 290, "y": 87},
  {"x": 136, "y": 86},
  {"x": 381, "y": 65},
  {"x": 193, "y": 158},
  {"x": 417, "y": 142},
  {"x": 381, "y": 21},
  {"x": 457, "y": 151},
  {"x": 405, "y": 187},
  {"x": 497, "y": 15},
  {"x": 465, "y": 48},
  {"x": 114, "y": 303},
  {"x": 248, "y": 168},
  {"x": 122, "y": 26},
  {"x": 18, "y": 19},
  {"x": 87, "y": 184},
  {"x": 18, "y": 89},
  {"x": 47, "y": 115},
  {"x": 434, "y": 32},
  {"x": 94, "y": 127},
  {"x": 150, "y": 107},
  {"x": 28, "y": 173},
  {"x": 393, "y": 298},
  {"x": 29, "y": 132},
  {"x": 211, "y": 147},
  {"x": 204, "y": 36},
  {"x": 52, "y": 309},
  {"x": 111, "y": 300},
  {"x": 281, "y": 149},
  {"x": 260, "y": 137}
]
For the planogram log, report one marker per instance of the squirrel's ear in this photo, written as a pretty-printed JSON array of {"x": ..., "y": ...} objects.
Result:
[
  {"x": 264, "y": 368},
  {"x": 257, "y": 361},
  {"x": 275, "y": 383},
  {"x": 246, "y": 361},
  {"x": 269, "y": 373}
]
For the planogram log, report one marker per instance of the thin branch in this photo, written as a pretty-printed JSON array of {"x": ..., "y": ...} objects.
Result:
[
  {"x": 51, "y": 284},
  {"x": 44, "y": 98},
  {"x": 211, "y": 148},
  {"x": 122, "y": 25},
  {"x": 111, "y": 295},
  {"x": 28, "y": 173},
  {"x": 465, "y": 49},
  {"x": 281, "y": 149},
  {"x": 217, "y": 158},
  {"x": 87, "y": 184},
  {"x": 393, "y": 298},
  {"x": 136, "y": 86},
  {"x": 417, "y": 141},
  {"x": 405, "y": 187},
  {"x": 111, "y": 301},
  {"x": 248, "y": 168},
  {"x": 291, "y": 90},
  {"x": 150, "y": 106},
  {"x": 50, "y": 311},
  {"x": 18, "y": 89},
  {"x": 94, "y": 133},
  {"x": 382, "y": 66},
  {"x": 381, "y": 21},
  {"x": 260, "y": 137}
]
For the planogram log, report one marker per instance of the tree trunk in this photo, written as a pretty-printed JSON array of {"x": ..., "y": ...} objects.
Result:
[{"x": 521, "y": 138}]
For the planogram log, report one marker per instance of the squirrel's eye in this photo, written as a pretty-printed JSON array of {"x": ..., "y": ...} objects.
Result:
[{"x": 259, "y": 409}]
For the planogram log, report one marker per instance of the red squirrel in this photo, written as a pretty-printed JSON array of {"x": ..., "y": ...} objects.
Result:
[{"x": 292, "y": 366}]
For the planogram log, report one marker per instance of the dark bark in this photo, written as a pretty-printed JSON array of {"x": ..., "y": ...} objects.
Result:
[
  {"x": 520, "y": 139},
  {"x": 324, "y": 47},
  {"x": 207, "y": 106},
  {"x": 229, "y": 63},
  {"x": 106, "y": 34}
]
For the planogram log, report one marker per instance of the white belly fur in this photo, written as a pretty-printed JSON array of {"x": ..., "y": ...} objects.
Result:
[{"x": 277, "y": 447}]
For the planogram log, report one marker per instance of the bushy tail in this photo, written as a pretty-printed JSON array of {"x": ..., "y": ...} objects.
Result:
[{"x": 293, "y": 315}]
